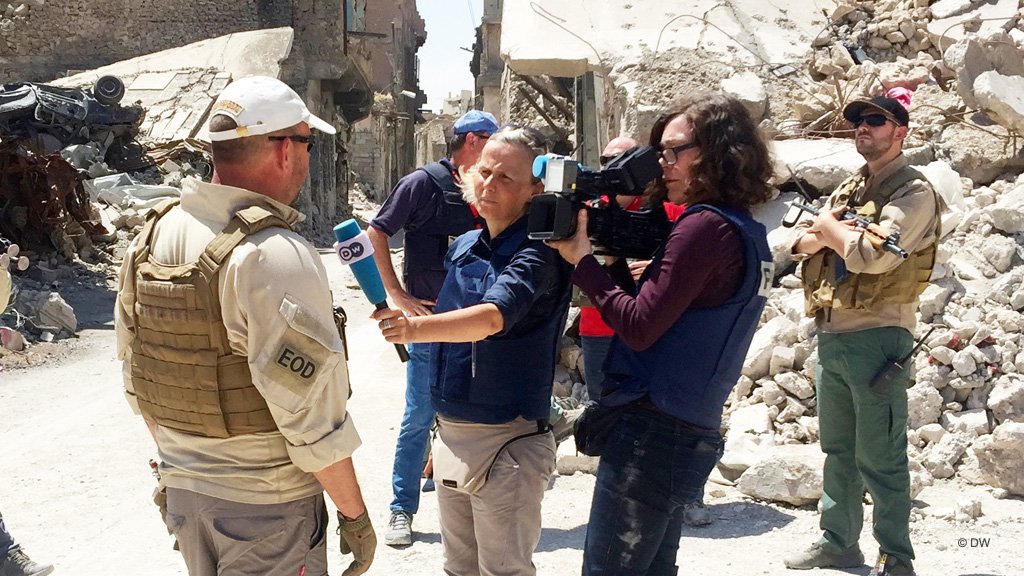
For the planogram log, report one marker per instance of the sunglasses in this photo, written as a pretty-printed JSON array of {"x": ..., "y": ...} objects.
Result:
[
  {"x": 307, "y": 140},
  {"x": 873, "y": 120},
  {"x": 671, "y": 155},
  {"x": 606, "y": 158}
]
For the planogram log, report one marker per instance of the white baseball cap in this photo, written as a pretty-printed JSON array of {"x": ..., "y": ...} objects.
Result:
[{"x": 261, "y": 105}]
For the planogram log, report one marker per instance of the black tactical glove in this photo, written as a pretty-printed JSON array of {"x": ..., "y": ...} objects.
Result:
[{"x": 357, "y": 537}]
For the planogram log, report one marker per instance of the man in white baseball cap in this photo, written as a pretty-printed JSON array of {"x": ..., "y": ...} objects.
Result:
[
  {"x": 261, "y": 105},
  {"x": 225, "y": 327}
]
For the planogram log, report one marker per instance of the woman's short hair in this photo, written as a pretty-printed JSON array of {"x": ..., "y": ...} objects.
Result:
[
  {"x": 528, "y": 139},
  {"x": 732, "y": 165}
]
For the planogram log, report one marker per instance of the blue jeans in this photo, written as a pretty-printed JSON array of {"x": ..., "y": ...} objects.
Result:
[
  {"x": 6, "y": 540},
  {"x": 652, "y": 467},
  {"x": 411, "y": 449},
  {"x": 595, "y": 349}
]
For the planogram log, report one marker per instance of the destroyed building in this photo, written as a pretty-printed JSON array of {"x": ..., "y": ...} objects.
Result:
[
  {"x": 55, "y": 38},
  {"x": 381, "y": 148}
]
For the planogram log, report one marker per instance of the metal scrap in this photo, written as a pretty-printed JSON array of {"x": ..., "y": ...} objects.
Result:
[{"x": 40, "y": 198}]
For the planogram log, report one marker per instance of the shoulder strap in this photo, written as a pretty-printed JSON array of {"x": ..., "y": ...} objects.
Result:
[
  {"x": 146, "y": 235},
  {"x": 245, "y": 222},
  {"x": 897, "y": 181},
  {"x": 441, "y": 176}
]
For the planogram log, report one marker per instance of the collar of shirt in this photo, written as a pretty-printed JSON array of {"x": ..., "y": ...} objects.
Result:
[
  {"x": 871, "y": 181},
  {"x": 219, "y": 203},
  {"x": 492, "y": 244}
]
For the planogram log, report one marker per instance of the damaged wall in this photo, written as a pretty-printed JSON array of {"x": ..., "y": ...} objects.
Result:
[
  {"x": 86, "y": 34},
  {"x": 381, "y": 150}
]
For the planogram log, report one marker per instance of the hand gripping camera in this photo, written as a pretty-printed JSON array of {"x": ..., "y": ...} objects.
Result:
[{"x": 570, "y": 186}]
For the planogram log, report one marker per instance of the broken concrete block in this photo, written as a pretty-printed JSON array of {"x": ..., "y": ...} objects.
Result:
[
  {"x": 924, "y": 405},
  {"x": 750, "y": 419},
  {"x": 920, "y": 478},
  {"x": 11, "y": 339},
  {"x": 975, "y": 421},
  {"x": 1001, "y": 457},
  {"x": 795, "y": 384},
  {"x": 931, "y": 433},
  {"x": 48, "y": 310},
  {"x": 948, "y": 8},
  {"x": 1003, "y": 96},
  {"x": 790, "y": 474},
  {"x": 1007, "y": 213},
  {"x": 779, "y": 331},
  {"x": 940, "y": 459},
  {"x": 749, "y": 90},
  {"x": 1006, "y": 400},
  {"x": 967, "y": 509},
  {"x": 569, "y": 462},
  {"x": 783, "y": 358},
  {"x": 743, "y": 450}
]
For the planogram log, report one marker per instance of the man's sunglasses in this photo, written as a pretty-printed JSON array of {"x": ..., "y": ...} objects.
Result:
[
  {"x": 873, "y": 120},
  {"x": 307, "y": 140}
]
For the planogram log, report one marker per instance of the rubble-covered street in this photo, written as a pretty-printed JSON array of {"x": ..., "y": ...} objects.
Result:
[{"x": 87, "y": 149}]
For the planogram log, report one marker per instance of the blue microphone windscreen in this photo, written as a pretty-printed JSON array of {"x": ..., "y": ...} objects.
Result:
[
  {"x": 364, "y": 270},
  {"x": 346, "y": 230}
]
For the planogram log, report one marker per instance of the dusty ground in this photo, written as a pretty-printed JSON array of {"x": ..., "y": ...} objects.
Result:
[{"x": 75, "y": 486}]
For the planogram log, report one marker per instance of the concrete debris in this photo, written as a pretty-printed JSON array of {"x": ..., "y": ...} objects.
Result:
[
  {"x": 47, "y": 311},
  {"x": 743, "y": 450},
  {"x": 10, "y": 338},
  {"x": 791, "y": 474},
  {"x": 1000, "y": 457},
  {"x": 941, "y": 457},
  {"x": 18, "y": 8}
]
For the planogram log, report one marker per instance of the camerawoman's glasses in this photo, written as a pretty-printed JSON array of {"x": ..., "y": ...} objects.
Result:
[{"x": 671, "y": 155}]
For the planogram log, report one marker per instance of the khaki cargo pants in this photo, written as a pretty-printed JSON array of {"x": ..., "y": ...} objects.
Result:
[
  {"x": 223, "y": 538},
  {"x": 494, "y": 531}
]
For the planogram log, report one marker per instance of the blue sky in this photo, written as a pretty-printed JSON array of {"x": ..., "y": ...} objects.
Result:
[{"x": 444, "y": 66}]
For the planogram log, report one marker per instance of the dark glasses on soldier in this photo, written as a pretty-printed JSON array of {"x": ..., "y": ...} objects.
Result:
[
  {"x": 307, "y": 140},
  {"x": 873, "y": 120}
]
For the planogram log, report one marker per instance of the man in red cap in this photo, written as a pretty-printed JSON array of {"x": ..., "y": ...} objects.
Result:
[{"x": 864, "y": 301}]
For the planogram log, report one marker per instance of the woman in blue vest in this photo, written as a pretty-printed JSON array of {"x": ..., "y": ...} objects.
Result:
[
  {"x": 496, "y": 328},
  {"x": 681, "y": 333}
]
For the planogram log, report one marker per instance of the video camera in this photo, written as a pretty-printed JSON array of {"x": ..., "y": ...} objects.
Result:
[{"x": 570, "y": 186}]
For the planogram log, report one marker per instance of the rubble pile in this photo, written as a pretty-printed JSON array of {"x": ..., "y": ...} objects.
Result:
[
  {"x": 75, "y": 187},
  {"x": 18, "y": 8},
  {"x": 966, "y": 405}
]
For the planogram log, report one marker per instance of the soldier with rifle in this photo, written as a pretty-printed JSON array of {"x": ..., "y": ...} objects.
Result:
[{"x": 862, "y": 278}]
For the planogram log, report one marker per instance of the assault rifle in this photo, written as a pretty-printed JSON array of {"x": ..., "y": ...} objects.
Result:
[{"x": 873, "y": 232}]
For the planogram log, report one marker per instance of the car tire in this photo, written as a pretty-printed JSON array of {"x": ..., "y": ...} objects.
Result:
[{"x": 108, "y": 90}]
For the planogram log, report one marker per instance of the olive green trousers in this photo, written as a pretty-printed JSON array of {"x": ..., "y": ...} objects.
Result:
[{"x": 864, "y": 438}]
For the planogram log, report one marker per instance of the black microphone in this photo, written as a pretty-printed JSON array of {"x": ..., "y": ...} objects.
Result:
[{"x": 354, "y": 249}]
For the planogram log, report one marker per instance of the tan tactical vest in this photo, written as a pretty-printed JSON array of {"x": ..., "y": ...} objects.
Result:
[
  {"x": 183, "y": 371},
  {"x": 903, "y": 285}
]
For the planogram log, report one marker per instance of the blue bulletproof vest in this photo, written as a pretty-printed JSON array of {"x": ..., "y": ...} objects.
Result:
[
  {"x": 427, "y": 244},
  {"x": 690, "y": 370},
  {"x": 502, "y": 377}
]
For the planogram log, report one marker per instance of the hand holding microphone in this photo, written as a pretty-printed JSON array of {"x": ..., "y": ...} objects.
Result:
[{"x": 354, "y": 249}]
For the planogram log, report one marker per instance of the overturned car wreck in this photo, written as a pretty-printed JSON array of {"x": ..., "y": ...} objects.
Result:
[{"x": 41, "y": 195}]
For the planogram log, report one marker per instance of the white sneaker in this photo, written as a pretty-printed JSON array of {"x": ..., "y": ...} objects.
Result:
[{"x": 399, "y": 529}]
